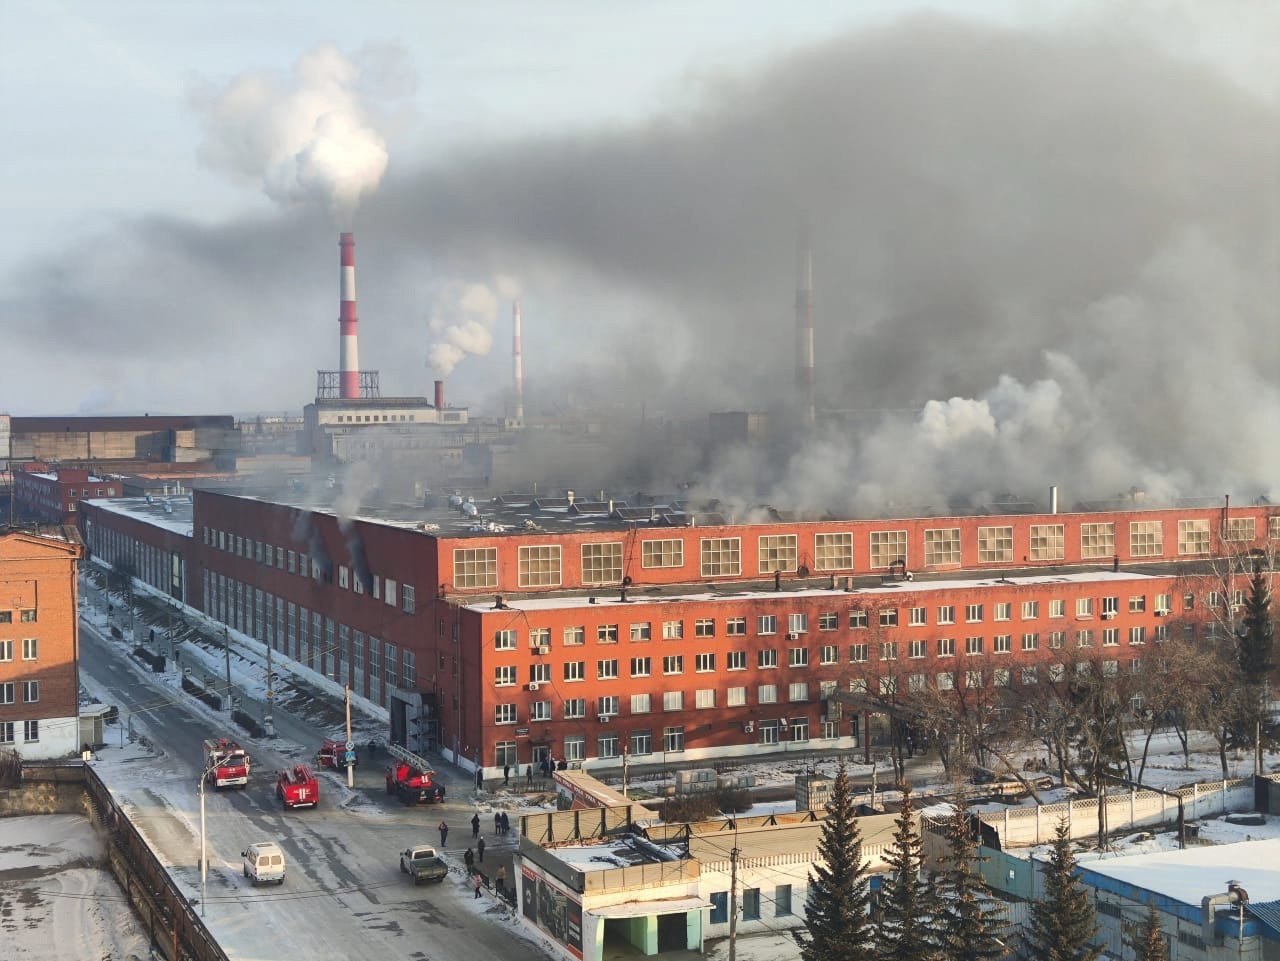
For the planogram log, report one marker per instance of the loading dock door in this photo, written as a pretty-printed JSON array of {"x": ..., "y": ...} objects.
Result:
[{"x": 672, "y": 932}]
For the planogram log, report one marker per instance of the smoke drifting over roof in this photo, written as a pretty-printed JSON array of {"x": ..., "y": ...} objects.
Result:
[{"x": 1039, "y": 258}]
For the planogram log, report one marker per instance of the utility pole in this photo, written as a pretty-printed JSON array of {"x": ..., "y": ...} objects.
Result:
[
  {"x": 226, "y": 649},
  {"x": 351, "y": 771},
  {"x": 733, "y": 897},
  {"x": 625, "y": 759},
  {"x": 268, "y": 717}
]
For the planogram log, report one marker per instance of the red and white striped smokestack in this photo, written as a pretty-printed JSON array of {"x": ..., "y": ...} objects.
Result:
[
  {"x": 804, "y": 328},
  {"x": 439, "y": 395},
  {"x": 348, "y": 353},
  {"x": 517, "y": 362}
]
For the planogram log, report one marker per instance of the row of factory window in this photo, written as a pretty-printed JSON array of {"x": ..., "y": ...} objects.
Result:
[
  {"x": 9, "y": 691},
  {"x": 30, "y": 649},
  {"x": 376, "y": 418},
  {"x": 708, "y": 662},
  {"x": 798, "y": 623},
  {"x": 797, "y": 692},
  {"x": 602, "y": 563},
  {"x": 374, "y": 668},
  {"x": 642, "y": 743},
  {"x": 26, "y": 615},
  {"x": 162, "y": 569},
  {"x": 30, "y": 732},
  {"x": 305, "y": 565}
]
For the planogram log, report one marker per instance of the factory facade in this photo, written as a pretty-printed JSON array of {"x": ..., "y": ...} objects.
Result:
[
  {"x": 39, "y": 642},
  {"x": 52, "y": 497},
  {"x": 589, "y": 631}
]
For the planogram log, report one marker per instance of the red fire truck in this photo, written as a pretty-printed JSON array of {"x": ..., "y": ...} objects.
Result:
[
  {"x": 226, "y": 763},
  {"x": 297, "y": 787},
  {"x": 333, "y": 754},
  {"x": 412, "y": 778}
]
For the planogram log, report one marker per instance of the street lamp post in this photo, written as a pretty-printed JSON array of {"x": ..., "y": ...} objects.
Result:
[{"x": 204, "y": 857}]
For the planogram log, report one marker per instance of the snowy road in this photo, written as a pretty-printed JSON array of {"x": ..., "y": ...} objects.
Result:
[{"x": 344, "y": 895}]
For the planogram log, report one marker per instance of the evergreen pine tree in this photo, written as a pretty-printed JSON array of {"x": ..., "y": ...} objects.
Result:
[
  {"x": 839, "y": 927},
  {"x": 905, "y": 933},
  {"x": 1256, "y": 641},
  {"x": 1062, "y": 923},
  {"x": 1148, "y": 941},
  {"x": 968, "y": 926}
]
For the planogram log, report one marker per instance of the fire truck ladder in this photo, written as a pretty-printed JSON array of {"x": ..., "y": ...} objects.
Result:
[{"x": 408, "y": 757}]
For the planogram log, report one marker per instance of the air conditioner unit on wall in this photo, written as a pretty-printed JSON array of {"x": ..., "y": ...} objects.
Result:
[
  {"x": 1162, "y": 612},
  {"x": 749, "y": 727},
  {"x": 793, "y": 636},
  {"x": 534, "y": 685},
  {"x": 544, "y": 649},
  {"x": 1108, "y": 615},
  {"x": 603, "y": 718}
]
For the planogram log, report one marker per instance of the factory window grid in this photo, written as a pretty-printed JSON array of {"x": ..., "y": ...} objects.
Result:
[
  {"x": 917, "y": 648},
  {"x": 798, "y": 692},
  {"x": 995, "y": 545},
  {"x": 736, "y": 661},
  {"x": 1137, "y": 636},
  {"x": 575, "y": 670},
  {"x": 540, "y": 673},
  {"x": 607, "y": 705},
  {"x": 947, "y": 614},
  {"x": 1193, "y": 537},
  {"x": 798, "y": 657},
  {"x": 641, "y": 632},
  {"x": 946, "y": 681},
  {"x": 736, "y": 627},
  {"x": 1273, "y": 527},
  {"x": 833, "y": 552},
  {"x": 1048, "y": 542},
  {"x": 575, "y": 707},
  {"x": 735, "y": 697},
  {"x": 1030, "y": 610},
  {"x": 1084, "y": 607},
  {"x": 673, "y": 700},
  {"x": 607, "y": 669},
  {"x": 539, "y": 637},
  {"x": 6, "y": 650},
  {"x": 829, "y": 654},
  {"x": 704, "y": 627},
  {"x": 888, "y": 617},
  {"x": 1030, "y": 641},
  {"x": 407, "y": 600},
  {"x": 504, "y": 640},
  {"x": 946, "y": 647},
  {"x": 6, "y": 732},
  {"x": 1110, "y": 637},
  {"x": 828, "y": 621},
  {"x": 504, "y": 675},
  {"x": 641, "y": 666},
  {"x": 1240, "y": 529},
  {"x": 641, "y": 743},
  {"x": 607, "y": 745},
  {"x": 539, "y": 565},
  {"x": 475, "y": 567},
  {"x": 887, "y": 548},
  {"x": 607, "y": 634},
  {"x": 1057, "y": 639},
  {"x": 973, "y": 614},
  {"x": 857, "y": 618},
  {"x": 1058, "y": 608},
  {"x": 767, "y": 694},
  {"x": 1146, "y": 538},
  {"x": 798, "y": 623},
  {"x": 766, "y": 658},
  {"x": 602, "y": 563},
  {"x": 778, "y": 553},
  {"x": 7, "y": 694},
  {"x": 721, "y": 556},
  {"x": 574, "y": 636},
  {"x": 859, "y": 653},
  {"x": 1002, "y": 644},
  {"x": 504, "y": 714},
  {"x": 674, "y": 630},
  {"x": 1097, "y": 540},
  {"x": 888, "y": 685},
  {"x": 704, "y": 663},
  {"x": 1138, "y": 604},
  {"x": 30, "y": 731},
  {"x": 919, "y": 617},
  {"x": 941, "y": 546},
  {"x": 973, "y": 645},
  {"x": 704, "y": 698},
  {"x": 31, "y": 692},
  {"x": 664, "y": 553},
  {"x": 888, "y": 650},
  {"x": 540, "y": 711},
  {"x": 767, "y": 624}
]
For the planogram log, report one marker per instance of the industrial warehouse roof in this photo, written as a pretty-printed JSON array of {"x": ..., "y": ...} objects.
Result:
[
  {"x": 170, "y": 513},
  {"x": 1187, "y": 876},
  {"x": 45, "y": 425}
]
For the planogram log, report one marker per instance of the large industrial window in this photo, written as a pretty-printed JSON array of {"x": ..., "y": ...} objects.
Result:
[
  {"x": 888, "y": 547},
  {"x": 540, "y": 566},
  {"x": 995, "y": 545},
  {"x": 475, "y": 567},
  {"x": 1240, "y": 529},
  {"x": 833, "y": 552},
  {"x": 662, "y": 553},
  {"x": 1146, "y": 539},
  {"x": 1048, "y": 542},
  {"x": 602, "y": 563},
  {"x": 942, "y": 546},
  {"x": 1193, "y": 537},
  {"x": 721, "y": 556},
  {"x": 1097, "y": 540},
  {"x": 777, "y": 553}
]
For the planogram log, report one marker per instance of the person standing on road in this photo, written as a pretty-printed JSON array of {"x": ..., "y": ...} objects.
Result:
[
  {"x": 506, "y": 774},
  {"x": 469, "y": 860},
  {"x": 500, "y": 879},
  {"x": 444, "y": 834},
  {"x": 506, "y": 824},
  {"x": 480, "y": 848},
  {"x": 476, "y": 881},
  {"x": 529, "y": 774},
  {"x": 475, "y": 825},
  {"x": 497, "y": 823}
]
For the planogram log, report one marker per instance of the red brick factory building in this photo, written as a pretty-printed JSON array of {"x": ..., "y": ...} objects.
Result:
[{"x": 586, "y": 630}]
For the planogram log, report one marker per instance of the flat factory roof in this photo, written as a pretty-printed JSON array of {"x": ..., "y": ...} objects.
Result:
[{"x": 1189, "y": 875}]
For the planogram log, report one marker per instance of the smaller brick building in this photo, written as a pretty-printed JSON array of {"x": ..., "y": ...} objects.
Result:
[
  {"x": 53, "y": 498},
  {"x": 39, "y": 641}
]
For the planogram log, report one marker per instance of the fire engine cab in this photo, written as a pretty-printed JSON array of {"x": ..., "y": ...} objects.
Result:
[
  {"x": 226, "y": 763},
  {"x": 297, "y": 787}
]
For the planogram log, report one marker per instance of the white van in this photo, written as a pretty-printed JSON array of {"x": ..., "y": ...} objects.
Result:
[{"x": 263, "y": 862}]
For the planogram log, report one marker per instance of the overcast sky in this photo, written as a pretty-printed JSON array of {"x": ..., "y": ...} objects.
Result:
[{"x": 1036, "y": 225}]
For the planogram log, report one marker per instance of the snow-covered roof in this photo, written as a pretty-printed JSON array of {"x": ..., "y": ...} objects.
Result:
[
  {"x": 1189, "y": 875},
  {"x": 171, "y": 513},
  {"x": 611, "y": 595}
]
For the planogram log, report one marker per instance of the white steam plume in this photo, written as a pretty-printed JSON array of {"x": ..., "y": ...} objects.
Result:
[
  {"x": 461, "y": 321},
  {"x": 303, "y": 139}
]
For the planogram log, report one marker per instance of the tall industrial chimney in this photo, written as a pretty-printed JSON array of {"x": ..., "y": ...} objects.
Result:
[
  {"x": 439, "y": 395},
  {"x": 517, "y": 363},
  {"x": 348, "y": 354},
  {"x": 804, "y": 328}
]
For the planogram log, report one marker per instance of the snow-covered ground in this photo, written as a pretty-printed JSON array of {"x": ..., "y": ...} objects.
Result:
[{"x": 57, "y": 900}]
